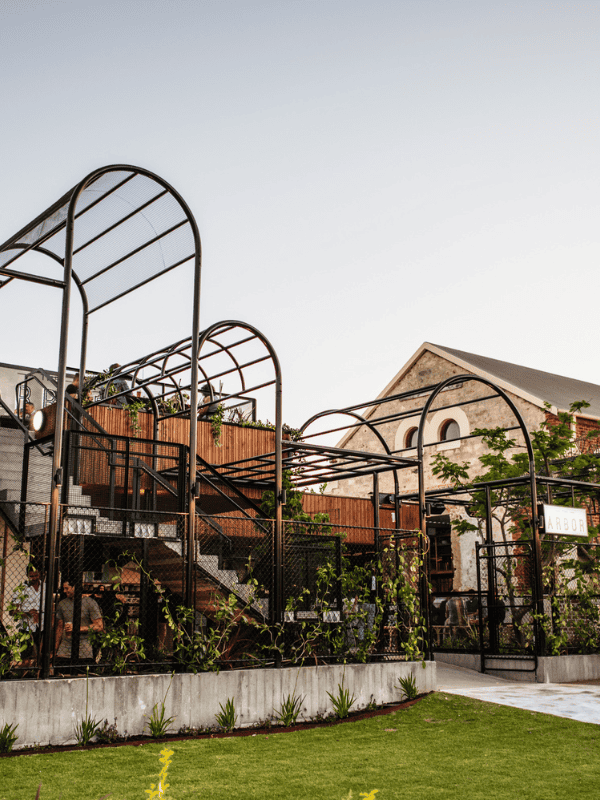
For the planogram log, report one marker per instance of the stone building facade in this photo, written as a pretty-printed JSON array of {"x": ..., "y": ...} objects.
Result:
[{"x": 449, "y": 422}]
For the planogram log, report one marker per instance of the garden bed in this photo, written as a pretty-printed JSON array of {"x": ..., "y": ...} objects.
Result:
[{"x": 264, "y": 730}]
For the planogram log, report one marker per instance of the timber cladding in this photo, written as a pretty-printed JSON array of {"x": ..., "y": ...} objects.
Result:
[
  {"x": 236, "y": 441},
  {"x": 357, "y": 512}
]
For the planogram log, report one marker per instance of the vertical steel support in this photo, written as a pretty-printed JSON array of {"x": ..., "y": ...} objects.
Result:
[
  {"x": 53, "y": 536},
  {"x": 424, "y": 577},
  {"x": 195, "y": 357},
  {"x": 540, "y": 639},
  {"x": 491, "y": 577},
  {"x": 478, "y": 549},
  {"x": 278, "y": 544},
  {"x": 376, "y": 520}
]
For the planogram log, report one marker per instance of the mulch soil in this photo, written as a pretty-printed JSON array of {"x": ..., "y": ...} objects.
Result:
[{"x": 136, "y": 741}]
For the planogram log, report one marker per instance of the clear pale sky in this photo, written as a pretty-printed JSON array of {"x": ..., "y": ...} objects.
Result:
[{"x": 366, "y": 175}]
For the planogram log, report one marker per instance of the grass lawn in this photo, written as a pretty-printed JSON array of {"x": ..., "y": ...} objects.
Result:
[{"x": 443, "y": 747}]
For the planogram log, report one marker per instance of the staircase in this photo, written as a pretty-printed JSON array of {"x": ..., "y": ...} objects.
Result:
[
  {"x": 165, "y": 559},
  {"x": 12, "y": 442},
  {"x": 81, "y": 518},
  {"x": 165, "y": 562}
]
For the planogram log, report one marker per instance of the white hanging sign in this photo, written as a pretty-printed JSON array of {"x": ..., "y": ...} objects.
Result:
[{"x": 565, "y": 521}]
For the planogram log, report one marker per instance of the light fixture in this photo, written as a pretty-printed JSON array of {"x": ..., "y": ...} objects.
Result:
[
  {"x": 38, "y": 420},
  {"x": 435, "y": 508}
]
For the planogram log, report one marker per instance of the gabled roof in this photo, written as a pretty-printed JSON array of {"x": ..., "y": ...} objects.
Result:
[{"x": 530, "y": 384}]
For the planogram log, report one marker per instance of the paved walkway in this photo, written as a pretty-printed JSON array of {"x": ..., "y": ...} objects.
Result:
[{"x": 575, "y": 701}]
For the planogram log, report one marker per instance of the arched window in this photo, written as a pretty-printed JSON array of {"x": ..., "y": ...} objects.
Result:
[
  {"x": 410, "y": 440},
  {"x": 449, "y": 430}
]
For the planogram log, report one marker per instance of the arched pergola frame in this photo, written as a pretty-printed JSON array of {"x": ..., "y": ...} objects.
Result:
[
  {"x": 130, "y": 247},
  {"x": 466, "y": 378},
  {"x": 369, "y": 425}
]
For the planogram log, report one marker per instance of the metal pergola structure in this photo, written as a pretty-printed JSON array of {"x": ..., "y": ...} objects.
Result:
[
  {"x": 117, "y": 230},
  {"x": 122, "y": 227}
]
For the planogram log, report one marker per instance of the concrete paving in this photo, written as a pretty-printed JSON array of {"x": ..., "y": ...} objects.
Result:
[{"x": 574, "y": 701}]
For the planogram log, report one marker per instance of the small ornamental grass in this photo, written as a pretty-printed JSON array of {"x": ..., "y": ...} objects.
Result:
[
  {"x": 8, "y": 736},
  {"x": 158, "y": 723},
  {"x": 88, "y": 727},
  {"x": 408, "y": 687},
  {"x": 290, "y": 710},
  {"x": 342, "y": 701},
  {"x": 226, "y": 717}
]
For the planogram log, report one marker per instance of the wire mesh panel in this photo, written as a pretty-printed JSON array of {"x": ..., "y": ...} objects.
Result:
[
  {"x": 22, "y": 596},
  {"x": 123, "y": 590},
  {"x": 351, "y": 599},
  {"x": 233, "y": 586},
  {"x": 506, "y": 577},
  {"x": 571, "y": 581},
  {"x": 146, "y": 601}
]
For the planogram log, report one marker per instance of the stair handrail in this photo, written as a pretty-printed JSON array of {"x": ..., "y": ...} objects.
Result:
[
  {"x": 141, "y": 465},
  {"x": 230, "y": 485}
]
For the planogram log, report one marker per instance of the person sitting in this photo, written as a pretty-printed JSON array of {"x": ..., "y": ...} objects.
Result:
[
  {"x": 210, "y": 403},
  {"x": 117, "y": 385}
]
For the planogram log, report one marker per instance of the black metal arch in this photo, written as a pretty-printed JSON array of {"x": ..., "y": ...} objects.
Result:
[
  {"x": 178, "y": 361},
  {"x": 118, "y": 229},
  {"x": 528, "y": 444},
  {"x": 382, "y": 441}
]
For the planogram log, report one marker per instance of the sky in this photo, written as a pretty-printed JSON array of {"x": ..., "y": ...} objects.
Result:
[{"x": 366, "y": 175}]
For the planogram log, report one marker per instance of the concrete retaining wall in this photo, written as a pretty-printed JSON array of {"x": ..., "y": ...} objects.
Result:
[
  {"x": 566, "y": 669},
  {"x": 48, "y": 711}
]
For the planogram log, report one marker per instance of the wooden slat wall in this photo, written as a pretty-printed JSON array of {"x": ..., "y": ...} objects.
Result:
[{"x": 237, "y": 443}]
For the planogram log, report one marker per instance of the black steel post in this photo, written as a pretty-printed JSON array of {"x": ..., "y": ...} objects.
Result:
[
  {"x": 480, "y": 608},
  {"x": 540, "y": 638},
  {"x": 376, "y": 522},
  {"x": 492, "y": 599},
  {"x": 53, "y": 536},
  {"x": 194, "y": 378},
  {"x": 278, "y": 543},
  {"x": 424, "y": 594},
  {"x": 112, "y": 477},
  {"x": 125, "y": 502}
]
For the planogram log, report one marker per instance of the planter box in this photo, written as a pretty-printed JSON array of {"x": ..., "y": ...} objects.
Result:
[{"x": 47, "y": 711}]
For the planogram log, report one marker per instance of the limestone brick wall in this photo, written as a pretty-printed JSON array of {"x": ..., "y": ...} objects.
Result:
[{"x": 428, "y": 370}]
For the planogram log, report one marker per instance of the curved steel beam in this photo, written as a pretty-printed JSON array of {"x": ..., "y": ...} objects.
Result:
[
  {"x": 530, "y": 456},
  {"x": 277, "y": 611},
  {"x": 379, "y": 436}
]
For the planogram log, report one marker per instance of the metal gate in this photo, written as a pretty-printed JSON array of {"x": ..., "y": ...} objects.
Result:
[{"x": 508, "y": 624}]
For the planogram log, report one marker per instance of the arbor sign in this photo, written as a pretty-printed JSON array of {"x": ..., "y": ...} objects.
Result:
[{"x": 565, "y": 521}]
